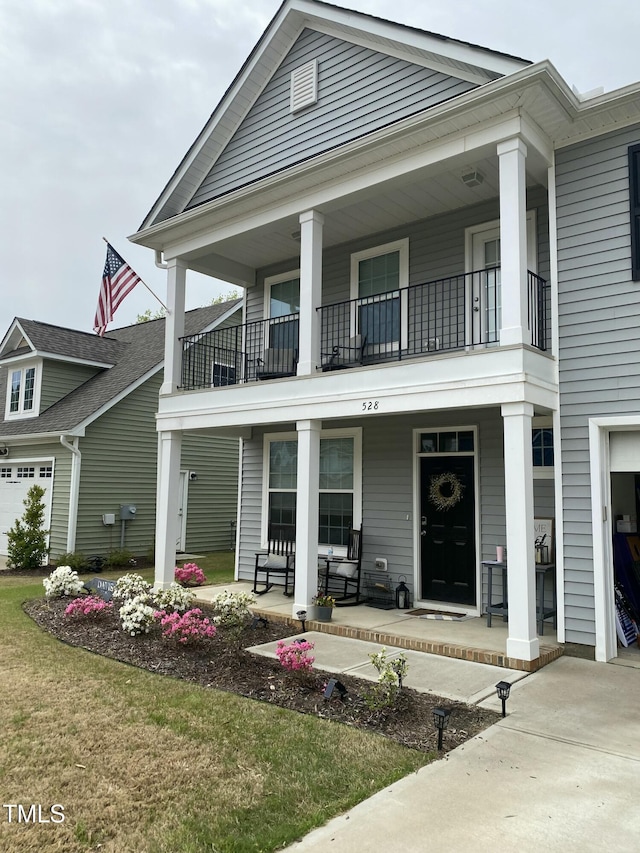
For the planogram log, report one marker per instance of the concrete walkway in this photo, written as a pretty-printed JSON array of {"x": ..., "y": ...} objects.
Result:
[{"x": 560, "y": 773}]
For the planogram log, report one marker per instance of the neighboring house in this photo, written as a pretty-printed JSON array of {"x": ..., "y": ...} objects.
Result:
[
  {"x": 450, "y": 227},
  {"x": 78, "y": 419}
]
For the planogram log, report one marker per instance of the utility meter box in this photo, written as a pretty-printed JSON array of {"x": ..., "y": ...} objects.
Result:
[{"x": 127, "y": 512}]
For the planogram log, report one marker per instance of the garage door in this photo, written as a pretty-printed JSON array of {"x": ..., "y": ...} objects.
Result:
[{"x": 15, "y": 481}]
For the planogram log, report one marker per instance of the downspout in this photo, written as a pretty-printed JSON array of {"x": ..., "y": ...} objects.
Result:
[
  {"x": 162, "y": 265},
  {"x": 74, "y": 490}
]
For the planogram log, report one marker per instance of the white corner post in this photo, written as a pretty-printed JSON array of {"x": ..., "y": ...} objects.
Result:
[
  {"x": 522, "y": 642},
  {"x": 311, "y": 223},
  {"x": 174, "y": 325},
  {"x": 307, "y": 511},
  {"x": 512, "y": 155},
  {"x": 167, "y": 503}
]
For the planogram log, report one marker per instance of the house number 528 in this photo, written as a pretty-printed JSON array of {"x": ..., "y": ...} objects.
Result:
[{"x": 370, "y": 406}]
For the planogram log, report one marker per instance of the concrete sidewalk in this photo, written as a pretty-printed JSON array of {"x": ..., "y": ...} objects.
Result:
[{"x": 560, "y": 773}]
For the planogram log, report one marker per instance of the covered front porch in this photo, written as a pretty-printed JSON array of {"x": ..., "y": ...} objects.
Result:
[{"x": 468, "y": 639}]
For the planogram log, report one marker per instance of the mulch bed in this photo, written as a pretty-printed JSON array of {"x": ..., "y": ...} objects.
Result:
[{"x": 224, "y": 664}]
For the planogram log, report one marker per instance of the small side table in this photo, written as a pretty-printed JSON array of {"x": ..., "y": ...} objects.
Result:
[{"x": 543, "y": 612}]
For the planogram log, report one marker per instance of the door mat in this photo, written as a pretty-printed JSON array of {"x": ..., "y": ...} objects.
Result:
[{"x": 440, "y": 614}]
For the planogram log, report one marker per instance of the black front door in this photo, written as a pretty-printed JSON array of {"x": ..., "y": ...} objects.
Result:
[{"x": 447, "y": 529}]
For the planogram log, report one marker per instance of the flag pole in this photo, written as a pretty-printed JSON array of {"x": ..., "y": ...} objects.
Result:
[{"x": 145, "y": 284}]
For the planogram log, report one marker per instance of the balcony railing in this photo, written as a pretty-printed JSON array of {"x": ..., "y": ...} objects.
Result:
[{"x": 455, "y": 313}]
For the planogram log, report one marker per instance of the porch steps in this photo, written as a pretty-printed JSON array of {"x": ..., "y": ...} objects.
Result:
[{"x": 386, "y": 638}]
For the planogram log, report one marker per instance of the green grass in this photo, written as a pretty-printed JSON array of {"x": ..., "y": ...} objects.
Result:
[{"x": 150, "y": 764}]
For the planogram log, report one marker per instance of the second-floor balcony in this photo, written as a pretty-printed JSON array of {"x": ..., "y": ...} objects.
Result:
[{"x": 450, "y": 314}]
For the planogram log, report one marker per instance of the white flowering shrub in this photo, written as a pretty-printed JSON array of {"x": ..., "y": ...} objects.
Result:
[
  {"x": 175, "y": 597},
  {"x": 131, "y": 586},
  {"x": 62, "y": 581},
  {"x": 136, "y": 616},
  {"x": 232, "y": 608}
]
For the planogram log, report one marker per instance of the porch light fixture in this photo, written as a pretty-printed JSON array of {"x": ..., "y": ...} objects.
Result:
[
  {"x": 335, "y": 686},
  {"x": 503, "y": 688},
  {"x": 473, "y": 178},
  {"x": 302, "y": 616},
  {"x": 441, "y": 721}
]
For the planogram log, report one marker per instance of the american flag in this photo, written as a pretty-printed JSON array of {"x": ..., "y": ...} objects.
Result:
[{"x": 118, "y": 280}]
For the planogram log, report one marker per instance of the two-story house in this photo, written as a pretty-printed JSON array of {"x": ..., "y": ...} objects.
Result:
[
  {"x": 434, "y": 244},
  {"x": 78, "y": 419}
]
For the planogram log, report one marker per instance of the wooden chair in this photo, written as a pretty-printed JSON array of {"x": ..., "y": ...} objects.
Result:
[
  {"x": 341, "y": 577},
  {"x": 277, "y": 560}
]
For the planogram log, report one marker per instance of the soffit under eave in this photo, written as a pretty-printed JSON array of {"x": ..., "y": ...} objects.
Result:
[{"x": 247, "y": 86}]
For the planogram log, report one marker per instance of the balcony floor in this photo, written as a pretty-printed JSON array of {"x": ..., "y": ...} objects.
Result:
[{"x": 469, "y": 639}]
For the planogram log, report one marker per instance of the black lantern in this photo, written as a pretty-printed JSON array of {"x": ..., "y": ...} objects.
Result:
[
  {"x": 502, "y": 689},
  {"x": 441, "y": 721},
  {"x": 403, "y": 595}
]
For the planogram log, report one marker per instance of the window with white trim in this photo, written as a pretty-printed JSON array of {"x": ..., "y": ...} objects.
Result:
[
  {"x": 340, "y": 484},
  {"x": 46, "y": 470},
  {"x": 26, "y": 473},
  {"x": 379, "y": 278},
  {"x": 22, "y": 391},
  {"x": 282, "y": 302},
  {"x": 5, "y": 473}
]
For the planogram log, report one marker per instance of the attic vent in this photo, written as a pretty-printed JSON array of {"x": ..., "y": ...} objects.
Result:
[{"x": 304, "y": 86}]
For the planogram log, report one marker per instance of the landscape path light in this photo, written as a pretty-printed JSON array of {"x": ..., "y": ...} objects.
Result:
[
  {"x": 441, "y": 721},
  {"x": 503, "y": 688}
]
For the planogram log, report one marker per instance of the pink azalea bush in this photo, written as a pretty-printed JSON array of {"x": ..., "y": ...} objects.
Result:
[
  {"x": 295, "y": 657},
  {"x": 190, "y": 627},
  {"x": 90, "y": 605},
  {"x": 190, "y": 575}
]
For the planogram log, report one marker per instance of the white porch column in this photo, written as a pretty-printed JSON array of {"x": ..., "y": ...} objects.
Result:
[
  {"x": 307, "y": 509},
  {"x": 310, "y": 291},
  {"x": 167, "y": 501},
  {"x": 174, "y": 325},
  {"x": 522, "y": 642},
  {"x": 513, "y": 241}
]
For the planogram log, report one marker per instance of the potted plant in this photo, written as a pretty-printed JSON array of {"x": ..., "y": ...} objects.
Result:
[{"x": 324, "y": 605}]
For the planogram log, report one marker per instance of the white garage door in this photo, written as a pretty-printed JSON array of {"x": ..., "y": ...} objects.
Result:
[{"x": 15, "y": 481}]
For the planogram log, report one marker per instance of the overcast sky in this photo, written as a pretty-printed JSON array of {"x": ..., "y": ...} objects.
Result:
[{"x": 100, "y": 100}]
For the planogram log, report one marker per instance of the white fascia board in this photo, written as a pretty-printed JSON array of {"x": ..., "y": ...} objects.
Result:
[
  {"x": 52, "y": 356},
  {"x": 15, "y": 325},
  {"x": 458, "y": 381}
]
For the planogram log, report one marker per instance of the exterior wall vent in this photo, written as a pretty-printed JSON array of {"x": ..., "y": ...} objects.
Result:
[{"x": 304, "y": 86}]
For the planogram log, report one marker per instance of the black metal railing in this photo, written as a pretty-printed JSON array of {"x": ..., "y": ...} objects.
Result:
[
  {"x": 444, "y": 315},
  {"x": 265, "y": 349}
]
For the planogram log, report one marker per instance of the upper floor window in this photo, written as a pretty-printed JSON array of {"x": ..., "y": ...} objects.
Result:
[
  {"x": 282, "y": 302},
  {"x": 21, "y": 392},
  {"x": 634, "y": 204},
  {"x": 379, "y": 278}
]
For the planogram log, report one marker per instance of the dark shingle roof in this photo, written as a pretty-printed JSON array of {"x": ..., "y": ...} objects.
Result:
[{"x": 133, "y": 350}]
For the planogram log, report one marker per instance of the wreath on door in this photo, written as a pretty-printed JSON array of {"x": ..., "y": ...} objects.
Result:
[{"x": 445, "y": 490}]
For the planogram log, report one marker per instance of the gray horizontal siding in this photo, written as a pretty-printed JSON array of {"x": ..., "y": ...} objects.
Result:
[
  {"x": 599, "y": 315},
  {"x": 387, "y": 489},
  {"x": 60, "y": 378},
  {"x": 359, "y": 91},
  {"x": 212, "y": 498},
  {"x": 436, "y": 250}
]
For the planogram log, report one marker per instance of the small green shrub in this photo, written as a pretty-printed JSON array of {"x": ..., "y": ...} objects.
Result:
[
  {"x": 75, "y": 560},
  {"x": 119, "y": 558},
  {"x": 27, "y": 539}
]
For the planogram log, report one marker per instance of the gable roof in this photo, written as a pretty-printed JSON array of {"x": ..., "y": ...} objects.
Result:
[
  {"x": 461, "y": 59},
  {"x": 136, "y": 352},
  {"x": 44, "y": 339}
]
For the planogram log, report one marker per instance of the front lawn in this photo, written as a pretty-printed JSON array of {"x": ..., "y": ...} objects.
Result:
[{"x": 146, "y": 763}]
